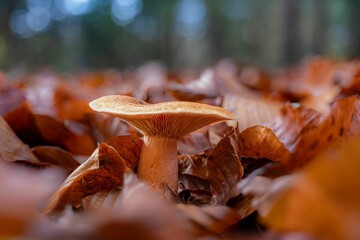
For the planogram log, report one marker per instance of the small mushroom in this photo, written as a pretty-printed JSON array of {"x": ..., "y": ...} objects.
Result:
[{"x": 162, "y": 124}]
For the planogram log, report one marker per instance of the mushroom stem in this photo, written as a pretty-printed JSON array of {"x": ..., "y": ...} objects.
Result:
[{"x": 159, "y": 163}]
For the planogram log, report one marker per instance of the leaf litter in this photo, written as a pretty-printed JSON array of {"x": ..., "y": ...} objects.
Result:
[{"x": 291, "y": 154}]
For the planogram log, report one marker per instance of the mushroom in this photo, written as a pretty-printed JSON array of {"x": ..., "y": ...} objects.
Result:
[{"x": 161, "y": 124}]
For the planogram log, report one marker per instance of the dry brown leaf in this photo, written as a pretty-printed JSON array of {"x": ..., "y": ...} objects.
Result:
[
  {"x": 12, "y": 148},
  {"x": 220, "y": 166},
  {"x": 193, "y": 143},
  {"x": 209, "y": 220},
  {"x": 10, "y": 99},
  {"x": 195, "y": 221},
  {"x": 322, "y": 102},
  {"x": 293, "y": 120},
  {"x": 126, "y": 206},
  {"x": 343, "y": 122},
  {"x": 55, "y": 156},
  {"x": 56, "y": 133},
  {"x": 197, "y": 90},
  {"x": 102, "y": 171},
  {"x": 22, "y": 121},
  {"x": 325, "y": 193},
  {"x": 23, "y": 191},
  {"x": 260, "y": 142},
  {"x": 216, "y": 132},
  {"x": 255, "y": 79},
  {"x": 251, "y": 111},
  {"x": 129, "y": 148}
]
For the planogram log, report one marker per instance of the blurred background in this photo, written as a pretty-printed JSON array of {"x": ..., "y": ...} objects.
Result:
[{"x": 95, "y": 34}]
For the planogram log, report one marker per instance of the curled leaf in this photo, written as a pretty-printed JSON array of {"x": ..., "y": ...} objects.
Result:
[
  {"x": 292, "y": 121},
  {"x": 56, "y": 156},
  {"x": 102, "y": 171},
  {"x": 260, "y": 142},
  {"x": 126, "y": 207},
  {"x": 209, "y": 220},
  {"x": 324, "y": 193},
  {"x": 342, "y": 123},
  {"x": 129, "y": 148},
  {"x": 103, "y": 126},
  {"x": 220, "y": 166},
  {"x": 251, "y": 111},
  {"x": 56, "y": 133},
  {"x": 11, "y": 147},
  {"x": 204, "y": 87}
]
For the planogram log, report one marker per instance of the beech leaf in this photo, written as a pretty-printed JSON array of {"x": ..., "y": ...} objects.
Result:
[
  {"x": 11, "y": 147},
  {"x": 204, "y": 87},
  {"x": 260, "y": 142},
  {"x": 220, "y": 166},
  {"x": 251, "y": 111},
  {"x": 342, "y": 123},
  {"x": 56, "y": 156},
  {"x": 126, "y": 206},
  {"x": 103, "y": 126},
  {"x": 129, "y": 148},
  {"x": 209, "y": 220},
  {"x": 102, "y": 171},
  {"x": 324, "y": 193}
]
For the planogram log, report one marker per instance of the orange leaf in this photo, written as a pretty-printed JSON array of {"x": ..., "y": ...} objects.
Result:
[
  {"x": 325, "y": 193},
  {"x": 129, "y": 148},
  {"x": 220, "y": 166},
  {"x": 260, "y": 142},
  {"x": 102, "y": 171},
  {"x": 342, "y": 123},
  {"x": 11, "y": 147},
  {"x": 56, "y": 156}
]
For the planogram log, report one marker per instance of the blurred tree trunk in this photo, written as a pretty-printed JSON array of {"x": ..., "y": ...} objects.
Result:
[
  {"x": 215, "y": 30},
  {"x": 354, "y": 27},
  {"x": 320, "y": 26},
  {"x": 291, "y": 40},
  {"x": 5, "y": 11}
]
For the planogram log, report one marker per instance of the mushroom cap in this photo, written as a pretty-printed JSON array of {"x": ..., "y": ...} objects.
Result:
[{"x": 168, "y": 119}]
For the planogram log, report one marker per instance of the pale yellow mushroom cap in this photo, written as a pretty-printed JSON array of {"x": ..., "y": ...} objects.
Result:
[{"x": 168, "y": 119}]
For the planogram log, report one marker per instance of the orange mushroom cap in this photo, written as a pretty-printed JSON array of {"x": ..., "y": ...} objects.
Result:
[{"x": 172, "y": 119}]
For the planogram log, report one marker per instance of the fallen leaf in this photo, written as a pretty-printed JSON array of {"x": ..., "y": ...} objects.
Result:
[
  {"x": 260, "y": 142},
  {"x": 102, "y": 171},
  {"x": 324, "y": 193},
  {"x": 197, "y": 90},
  {"x": 342, "y": 123},
  {"x": 255, "y": 79},
  {"x": 193, "y": 143},
  {"x": 288, "y": 126},
  {"x": 220, "y": 166},
  {"x": 56, "y": 133},
  {"x": 216, "y": 132},
  {"x": 56, "y": 156},
  {"x": 24, "y": 191},
  {"x": 129, "y": 148},
  {"x": 12, "y": 148},
  {"x": 251, "y": 111},
  {"x": 126, "y": 206},
  {"x": 209, "y": 220}
]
